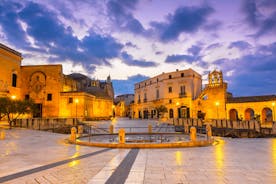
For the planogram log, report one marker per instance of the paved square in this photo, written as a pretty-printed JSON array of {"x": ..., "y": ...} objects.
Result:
[{"x": 230, "y": 161}]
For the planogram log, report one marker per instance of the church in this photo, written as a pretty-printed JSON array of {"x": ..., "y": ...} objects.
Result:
[{"x": 55, "y": 94}]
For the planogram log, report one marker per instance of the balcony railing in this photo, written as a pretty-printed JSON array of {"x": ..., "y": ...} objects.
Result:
[{"x": 182, "y": 95}]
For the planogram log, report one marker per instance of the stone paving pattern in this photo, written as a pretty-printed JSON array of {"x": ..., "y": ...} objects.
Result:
[{"x": 230, "y": 161}]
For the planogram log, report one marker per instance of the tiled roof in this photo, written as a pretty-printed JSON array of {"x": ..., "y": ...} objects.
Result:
[{"x": 245, "y": 99}]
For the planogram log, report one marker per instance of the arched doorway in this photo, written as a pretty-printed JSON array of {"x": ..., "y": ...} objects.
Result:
[
  {"x": 233, "y": 115},
  {"x": 266, "y": 115},
  {"x": 249, "y": 114},
  {"x": 171, "y": 113}
]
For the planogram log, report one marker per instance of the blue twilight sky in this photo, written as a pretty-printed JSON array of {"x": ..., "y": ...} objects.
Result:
[{"x": 135, "y": 39}]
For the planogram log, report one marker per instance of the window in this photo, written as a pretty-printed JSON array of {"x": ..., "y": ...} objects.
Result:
[
  {"x": 182, "y": 89},
  {"x": 171, "y": 113},
  {"x": 170, "y": 101},
  {"x": 139, "y": 98},
  {"x": 170, "y": 76},
  {"x": 170, "y": 89},
  {"x": 27, "y": 97},
  {"x": 157, "y": 94},
  {"x": 182, "y": 74},
  {"x": 70, "y": 100},
  {"x": 49, "y": 97},
  {"x": 157, "y": 79},
  {"x": 14, "y": 79},
  {"x": 145, "y": 97}
]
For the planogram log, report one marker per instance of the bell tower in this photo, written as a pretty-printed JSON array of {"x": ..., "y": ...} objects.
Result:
[{"x": 215, "y": 78}]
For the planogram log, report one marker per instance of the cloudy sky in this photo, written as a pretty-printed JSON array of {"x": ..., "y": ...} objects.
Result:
[{"x": 135, "y": 39}]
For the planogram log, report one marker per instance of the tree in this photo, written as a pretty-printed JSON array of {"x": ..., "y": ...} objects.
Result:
[
  {"x": 161, "y": 110},
  {"x": 12, "y": 109}
]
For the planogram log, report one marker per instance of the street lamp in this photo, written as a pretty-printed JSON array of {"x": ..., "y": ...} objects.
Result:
[
  {"x": 217, "y": 104},
  {"x": 76, "y": 101},
  {"x": 13, "y": 97},
  {"x": 273, "y": 115}
]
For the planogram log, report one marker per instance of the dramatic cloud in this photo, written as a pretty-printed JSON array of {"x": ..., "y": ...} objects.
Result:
[
  {"x": 10, "y": 23},
  {"x": 194, "y": 50},
  {"x": 128, "y": 59},
  {"x": 179, "y": 58},
  {"x": 240, "y": 45},
  {"x": 184, "y": 19},
  {"x": 121, "y": 16},
  {"x": 251, "y": 12},
  {"x": 257, "y": 16},
  {"x": 133, "y": 37}
]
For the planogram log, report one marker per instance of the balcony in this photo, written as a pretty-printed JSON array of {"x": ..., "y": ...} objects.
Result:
[{"x": 182, "y": 95}]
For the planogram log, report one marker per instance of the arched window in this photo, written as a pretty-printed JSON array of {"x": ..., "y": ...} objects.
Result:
[
  {"x": 266, "y": 115},
  {"x": 233, "y": 114},
  {"x": 249, "y": 114}
]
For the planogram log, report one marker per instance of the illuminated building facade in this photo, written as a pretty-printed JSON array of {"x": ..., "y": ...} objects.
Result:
[
  {"x": 184, "y": 98},
  {"x": 175, "y": 90},
  {"x": 122, "y": 105},
  {"x": 55, "y": 94}
]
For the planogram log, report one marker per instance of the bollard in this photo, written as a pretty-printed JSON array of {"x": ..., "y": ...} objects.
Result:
[
  {"x": 73, "y": 135},
  {"x": 121, "y": 136},
  {"x": 80, "y": 130},
  {"x": 208, "y": 131},
  {"x": 111, "y": 129},
  {"x": 2, "y": 135},
  {"x": 150, "y": 129},
  {"x": 193, "y": 134}
]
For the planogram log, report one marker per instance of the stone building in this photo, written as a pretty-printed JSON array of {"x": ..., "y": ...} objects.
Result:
[
  {"x": 55, "y": 94},
  {"x": 175, "y": 90},
  {"x": 184, "y": 98},
  {"x": 122, "y": 105},
  {"x": 10, "y": 62}
]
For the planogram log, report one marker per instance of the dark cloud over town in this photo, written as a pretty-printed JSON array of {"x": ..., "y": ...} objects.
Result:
[{"x": 134, "y": 39}]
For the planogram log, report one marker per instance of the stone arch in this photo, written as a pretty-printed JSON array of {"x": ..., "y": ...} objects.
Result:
[
  {"x": 233, "y": 115},
  {"x": 266, "y": 115},
  {"x": 249, "y": 114}
]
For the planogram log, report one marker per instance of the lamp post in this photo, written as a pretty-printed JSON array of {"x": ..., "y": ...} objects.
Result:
[
  {"x": 217, "y": 104},
  {"x": 76, "y": 101},
  {"x": 273, "y": 112}
]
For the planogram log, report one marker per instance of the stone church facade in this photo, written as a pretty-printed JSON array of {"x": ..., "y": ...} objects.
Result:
[
  {"x": 54, "y": 93},
  {"x": 182, "y": 94}
]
